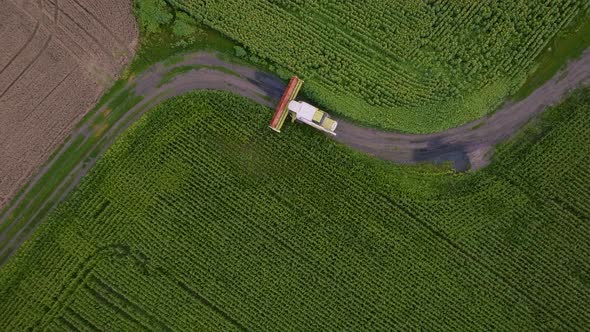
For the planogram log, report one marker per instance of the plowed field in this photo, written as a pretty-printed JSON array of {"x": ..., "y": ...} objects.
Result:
[{"x": 56, "y": 59}]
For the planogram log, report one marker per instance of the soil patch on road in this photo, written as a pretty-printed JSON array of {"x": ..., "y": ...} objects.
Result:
[{"x": 56, "y": 60}]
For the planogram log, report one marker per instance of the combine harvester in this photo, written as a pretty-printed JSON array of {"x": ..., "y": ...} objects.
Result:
[{"x": 300, "y": 111}]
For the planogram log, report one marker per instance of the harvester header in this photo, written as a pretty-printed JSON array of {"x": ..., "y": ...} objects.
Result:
[{"x": 300, "y": 111}]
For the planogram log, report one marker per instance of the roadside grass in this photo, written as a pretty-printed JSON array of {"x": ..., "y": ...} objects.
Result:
[
  {"x": 479, "y": 125},
  {"x": 535, "y": 131},
  {"x": 568, "y": 44},
  {"x": 113, "y": 91},
  {"x": 46, "y": 192},
  {"x": 119, "y": 106},
  {"x": 40, "y": 191}
]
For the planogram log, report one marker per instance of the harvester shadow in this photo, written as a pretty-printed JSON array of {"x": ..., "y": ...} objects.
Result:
[{"x": 272, "y": 86}]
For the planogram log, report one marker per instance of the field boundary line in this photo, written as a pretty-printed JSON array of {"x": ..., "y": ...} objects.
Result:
[
  {"x": 117, "y": 294},
  {"x": 81, "y": 318},
  {"x": 67, "y": 323},
  {"x": 102, "y": 299},
  {"x": 70, "y": 287}
]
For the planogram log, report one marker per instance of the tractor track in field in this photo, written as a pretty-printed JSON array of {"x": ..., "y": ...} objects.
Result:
[{"x": 466, "y": 147}]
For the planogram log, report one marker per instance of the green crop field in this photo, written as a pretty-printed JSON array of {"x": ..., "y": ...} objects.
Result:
[
  {"x": 200, "y": 218},
  {"x": 416, "y": 66}
]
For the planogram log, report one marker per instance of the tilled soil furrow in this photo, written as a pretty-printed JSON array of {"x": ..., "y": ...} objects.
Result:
[
  {"x": 45, "y": 45},
  {"x": 22, "y": 48}
]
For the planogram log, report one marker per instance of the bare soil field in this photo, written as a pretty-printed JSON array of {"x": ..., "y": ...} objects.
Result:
[{"x": 56, "y": 59}]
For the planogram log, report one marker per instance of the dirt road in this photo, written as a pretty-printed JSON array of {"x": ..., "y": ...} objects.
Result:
[{"x": 467, "y": 146}]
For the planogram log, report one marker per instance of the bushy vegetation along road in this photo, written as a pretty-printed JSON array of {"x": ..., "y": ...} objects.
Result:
[{"x": 200, "y": 218}]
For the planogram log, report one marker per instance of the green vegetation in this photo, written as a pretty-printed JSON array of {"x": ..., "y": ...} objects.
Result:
[
  {"x": 569, "y": 44},
  {"x": 417, "y": 66},
  {"x": 200, "y": 218},
  {"x": 159, "y": 42},
  {"x": 168, "y": 33},
  {"x": 113, "y": 91}
]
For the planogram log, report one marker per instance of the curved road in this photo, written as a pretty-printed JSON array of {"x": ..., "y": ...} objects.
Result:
[{"x": 468, "y": 146}]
